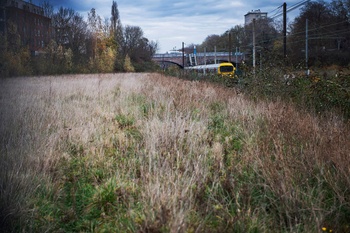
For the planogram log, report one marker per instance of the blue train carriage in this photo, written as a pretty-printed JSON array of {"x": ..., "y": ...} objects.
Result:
[{"x": 225, "y": 69}]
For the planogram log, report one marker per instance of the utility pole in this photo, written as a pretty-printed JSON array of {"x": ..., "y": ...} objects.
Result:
[
  {"x": 236, "y": 58},
  {"x": 307, "y": 47},
  {"x": 254, "y": 45},
  {"x": 183, "y": 55},
  {"x": 284, "y": 30},
  {"x": 205, "y": 59},
  {"x": 229, "y": 46},
  {"x": 215, "y": 54}
]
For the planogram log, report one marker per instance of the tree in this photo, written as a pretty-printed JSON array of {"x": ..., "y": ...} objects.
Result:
[
  {"x": 14, "y": 58},
  {"x": 116, "y": 26},
  {"x": 132, "y": 38},
  {"x": 137, "y": 47},
  {"x": 48, "y": 9},
  {"x": 265, "y": 35},
  {"x": 61, "y": 24},
  {"x": 71, "y": 32},
  {"x": 115, "y": 20},
  {"x": 238, "y": 35},
  {"x": 328, "y": 31},
  {"x": 95, "y": 28},
  {"x": 210, "y": 43},
  {"x": 103, "y": 46},
  {"x": 340, "y": 9},
  {"x": 128, "y": 67},
  {"x": 77, "y": 37}
]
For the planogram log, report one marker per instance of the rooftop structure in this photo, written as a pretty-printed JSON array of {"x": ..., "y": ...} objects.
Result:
[{"x": 257, "y": 14}]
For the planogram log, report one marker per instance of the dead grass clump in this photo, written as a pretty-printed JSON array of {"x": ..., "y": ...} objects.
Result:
[
  {"x": 149, "y": 153},
  {"x": 302, "y": 163}
]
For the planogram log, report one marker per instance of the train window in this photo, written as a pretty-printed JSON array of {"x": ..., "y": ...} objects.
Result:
[{"x": 226, "y": 68}]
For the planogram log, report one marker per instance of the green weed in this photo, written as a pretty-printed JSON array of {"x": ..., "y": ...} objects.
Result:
[{"x": 124, "y": 121}]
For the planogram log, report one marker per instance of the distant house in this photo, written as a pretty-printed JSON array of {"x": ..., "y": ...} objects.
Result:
[
  {"x": 257, "y": 14},
  {"x": 28, "y": 20}
]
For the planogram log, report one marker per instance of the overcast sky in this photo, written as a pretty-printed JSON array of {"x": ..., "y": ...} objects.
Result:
[{"x": 171, "y": 22}]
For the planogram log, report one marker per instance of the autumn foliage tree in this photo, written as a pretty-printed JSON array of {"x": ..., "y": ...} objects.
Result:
[
  {"x": 78, "y": 46},
  {"x": 103, "y": 48},
  {"x": 15, "y": 58}
]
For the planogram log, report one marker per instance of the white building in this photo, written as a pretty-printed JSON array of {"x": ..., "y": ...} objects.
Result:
[{"x": 257, "y": 14}]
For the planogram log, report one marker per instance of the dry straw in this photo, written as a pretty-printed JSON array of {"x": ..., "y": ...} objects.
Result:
[{"x": 146, "y": 152}]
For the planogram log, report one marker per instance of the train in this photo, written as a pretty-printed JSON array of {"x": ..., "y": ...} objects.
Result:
[{"x": 225, "y": 69}]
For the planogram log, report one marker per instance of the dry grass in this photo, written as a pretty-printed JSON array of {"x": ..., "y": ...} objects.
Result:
[{"x": 149, "y": 153}]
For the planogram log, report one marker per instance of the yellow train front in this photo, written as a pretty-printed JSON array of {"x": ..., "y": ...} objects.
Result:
[{"x": 225, "y": 69}]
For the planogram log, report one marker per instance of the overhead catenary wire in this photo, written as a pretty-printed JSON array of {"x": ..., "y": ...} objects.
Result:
[
  {"x": 320, "y": 28},
  {"x": 279, "y": 12},
  {"x": 293, "y": 7},
  {"x": 324, "y": 35},
  {"x": 278, "y": 9}
]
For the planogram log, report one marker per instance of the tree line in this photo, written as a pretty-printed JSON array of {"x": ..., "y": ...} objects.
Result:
[
  {"x": 95, "y": 45},
  {"x": 105, "y": 45},
  {"x": 328, "y": 37}
]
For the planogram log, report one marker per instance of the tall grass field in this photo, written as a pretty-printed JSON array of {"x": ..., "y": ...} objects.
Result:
[{"x": 153, "y": 153}]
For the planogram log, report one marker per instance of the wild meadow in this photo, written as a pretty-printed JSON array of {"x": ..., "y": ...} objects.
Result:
[{"x": 154, "y": 153}]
